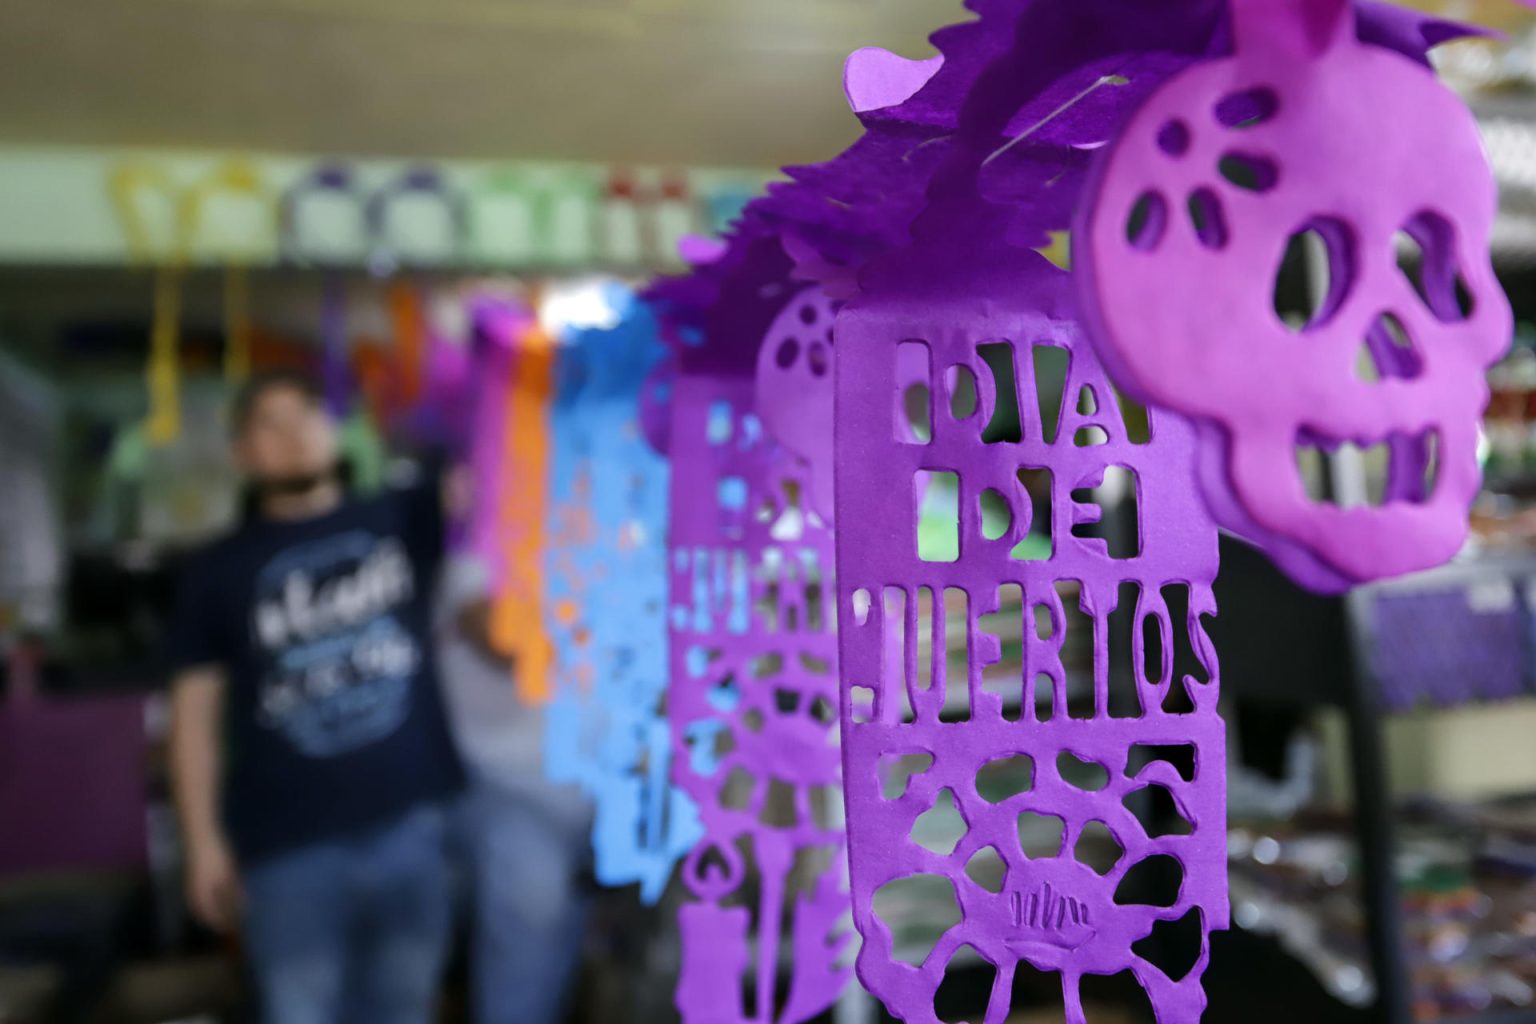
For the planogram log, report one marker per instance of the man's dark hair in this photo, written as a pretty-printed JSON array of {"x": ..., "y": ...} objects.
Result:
[{"x": 258, "y": 385}]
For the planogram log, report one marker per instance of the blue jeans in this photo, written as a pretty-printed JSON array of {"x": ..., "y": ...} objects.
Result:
[
  {"x": 353, "y": 929},
  {"x": 528, "y": 905}
]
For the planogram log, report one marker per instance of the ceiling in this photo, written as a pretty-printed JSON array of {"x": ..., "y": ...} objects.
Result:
[{"x": 706, "y": 82}]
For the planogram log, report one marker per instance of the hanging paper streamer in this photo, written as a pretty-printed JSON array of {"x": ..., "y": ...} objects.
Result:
[
  {"x": 408, "y": 314},
  {"x": 1307, "y": 132},
  {"x": 752, "y": 697},
  {"x": 572, "y": 737},
  {"x": 162, "y": 373},
  {"x": 328, "y": 190},
  {"x": 443, "y": 415},
  {"x": 330, "y": 181},
  {"x": 232, "y": 178},
  {"x": 429, "y": 370},
  {"x": 1025, "y": 799},
  {"x": 1006, "y": 797},
  {"x": 494, "y": 324},
  {"x": 333, "y": 345},
  {"x": 607, "y": 603},
  {"x": 237, "y": 323},
  {"x": 520, "y": 508},
  {"x": 335, "y": 374},
  {"x": 1017, "y": 535},
  {"x": 131, "y": 186},
  {"x": 432, "y": 373},
  {"x": 655, "y": 405},
  {"x": 136, "y": 188}
]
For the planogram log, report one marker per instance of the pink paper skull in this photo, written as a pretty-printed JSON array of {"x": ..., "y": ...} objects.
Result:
[
  {"x": 1305, "y": 129},
  {"x": 794, "y": 388}
]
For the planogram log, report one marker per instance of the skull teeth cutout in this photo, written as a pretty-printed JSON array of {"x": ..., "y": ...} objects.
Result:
[{"x": 1306, "y": 133}]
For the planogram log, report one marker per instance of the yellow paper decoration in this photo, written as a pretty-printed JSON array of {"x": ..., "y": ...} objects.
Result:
[
  {"x": 237, "y": 324},
  {"x": 129, "y": 184}
]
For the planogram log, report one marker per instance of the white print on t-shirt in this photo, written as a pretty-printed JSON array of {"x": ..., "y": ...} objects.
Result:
[
  {"x": 303, "y": 610},
  {"x": 340, "y": 663}
]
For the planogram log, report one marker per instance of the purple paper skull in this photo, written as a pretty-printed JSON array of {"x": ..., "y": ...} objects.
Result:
[
  {"x": 794, "y": 388},
  {"x": 1306, "y": 132}
]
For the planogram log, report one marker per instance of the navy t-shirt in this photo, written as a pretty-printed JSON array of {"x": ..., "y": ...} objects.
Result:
[{"x": 323, "y": 626}]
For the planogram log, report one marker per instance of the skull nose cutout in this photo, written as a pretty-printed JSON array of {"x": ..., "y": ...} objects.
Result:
[{"x": 1388, "y": 352}]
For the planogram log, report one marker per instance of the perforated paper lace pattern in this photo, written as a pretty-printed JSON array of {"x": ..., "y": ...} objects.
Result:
[
  {"x": 753, "y": 710},
  {"x": 1017, "y": 798},
  {"x": 606, "y": 607}
]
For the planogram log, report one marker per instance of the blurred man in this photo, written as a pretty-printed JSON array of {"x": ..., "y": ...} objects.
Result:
[{"x": 311, "y": 760}]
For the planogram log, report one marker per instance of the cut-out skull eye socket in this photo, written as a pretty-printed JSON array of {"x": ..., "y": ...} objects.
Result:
[
  {"x": 1249, "y": 172},
  {"x": 1208, "y": 218},
  {"x": 1426, "y": 254},
  {"x": 1248, "y": 108},
  {"x": 1148, "y": 221},
  {"x": 788, "y": 352},
  {"x": 1316, "y": 274},
  {"x": 1173, "y": 138}
]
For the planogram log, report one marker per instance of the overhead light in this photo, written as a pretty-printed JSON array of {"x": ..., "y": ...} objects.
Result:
[{"x": 586, "y": 304}]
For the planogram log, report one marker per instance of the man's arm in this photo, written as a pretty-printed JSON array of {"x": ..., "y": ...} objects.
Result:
[{"x": 212, "y": 878}]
